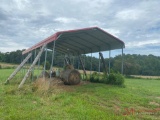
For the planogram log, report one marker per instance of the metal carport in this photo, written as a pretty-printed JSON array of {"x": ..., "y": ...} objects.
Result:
[
  {"x": 75, "y": 42},
  {"x": 81, "y": 41}
]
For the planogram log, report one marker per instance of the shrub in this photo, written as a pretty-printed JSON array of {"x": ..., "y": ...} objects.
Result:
[
  {"x": 112, "y": 78},
  {"x": 92, "y": 79},
  {"x": 47, "y": 65},
  {"x": 0, "y": 67},
  {"x": 105, "y": 79},
  {"x": 115, "y": 79},
  {"x": 95, "y": 78}
]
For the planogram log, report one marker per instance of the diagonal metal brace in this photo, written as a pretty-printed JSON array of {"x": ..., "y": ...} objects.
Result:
[
  {"x": 18, "y": 68},
  {"x": 32, "y": 66},
  {"x": 82, "y": 65}
]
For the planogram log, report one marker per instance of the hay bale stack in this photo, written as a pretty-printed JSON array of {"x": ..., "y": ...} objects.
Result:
[
  {"x": 45, "y": 74},
  {"x": 40, "y": 84},
  {"x": 68, "y": 66},
  {"x": 53, "y": 73},
  {"x": 71, "y": 77}
]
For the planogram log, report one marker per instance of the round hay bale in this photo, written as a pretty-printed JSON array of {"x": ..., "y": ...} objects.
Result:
[
  {"x": 40, "y": 84},
  {"x": 53, "y": 73},
  {"x": 68, "y": 67},
  {"x": 44, "y": 73},
  {"x": 71, "y": 77}
]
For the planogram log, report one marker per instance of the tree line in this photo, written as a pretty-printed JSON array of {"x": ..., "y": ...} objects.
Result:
[{"x": 133, "y": 64}]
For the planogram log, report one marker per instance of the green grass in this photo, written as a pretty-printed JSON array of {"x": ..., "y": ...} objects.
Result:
[{"x": 93, "y": 101}]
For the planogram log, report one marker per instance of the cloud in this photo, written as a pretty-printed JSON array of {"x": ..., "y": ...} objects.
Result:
[
  {"x": 112, "y": 31},
  {"x": 21, "y": 4},
  {"x": 10, "y": 45},
  {"x": 142, "y": 43},
  {"x": 25, "y": 22},
  {"x": 129, "y": 14},
  {"x": 66, "y": 20}
]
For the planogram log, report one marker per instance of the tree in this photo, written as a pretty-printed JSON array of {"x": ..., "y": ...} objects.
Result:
[{"x": 133, "y": 64}]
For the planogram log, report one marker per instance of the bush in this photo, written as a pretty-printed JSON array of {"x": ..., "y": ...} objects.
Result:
[
  {"x": 48, "y": 65},
  {"x": 0, "y": 67},
  {"x": 115, "y": 79},
  {"x": 94, "y": 78},
  {"x": 112, "y": 78}
]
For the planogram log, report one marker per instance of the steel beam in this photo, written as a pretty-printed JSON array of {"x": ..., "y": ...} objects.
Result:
[
  {"x": 109, "y": 60},
  {"x": 53, "y": 51},
  {"x": 122, "y": 62}
]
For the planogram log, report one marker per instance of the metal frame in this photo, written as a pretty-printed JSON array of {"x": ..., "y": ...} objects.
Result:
[
  {"x": 84, "y": 59},
  {"x": 18, "y": 68},
  {"x": 91, "y": 66},
  {"x": 39, "y": 61},
  {"x": 73, "y": 61},
  {"x": 109, "y": 61},
  {"x": 52, "y": 57},
  {"x": 33, "y": 68},
  {"x": 99, "y": 66},
  {"x": 122, "y": 63},
  {"x": 88, "y": 38},
  {"x": 98, "y": 39},
  {"x": 78, "y": 61},
  {"x": 89, "y": 43},
  {"x": 44, "y": 67}
]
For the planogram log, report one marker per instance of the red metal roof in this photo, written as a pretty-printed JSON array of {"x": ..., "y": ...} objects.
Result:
[{"x": 81, "y": 41}]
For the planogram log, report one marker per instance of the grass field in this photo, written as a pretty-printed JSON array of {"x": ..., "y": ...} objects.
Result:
[{"x": 140, "y": 99}]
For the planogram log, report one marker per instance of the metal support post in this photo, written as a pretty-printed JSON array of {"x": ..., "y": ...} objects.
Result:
[
  {"x": 39, "y": 61},
  {"x": 31, "y": 58},
  {"x": 99, "y": 67},
  {"x": 91, "y": 66},
  {"x": 33, "y": 68},
  {"x": 73, "y": 60},
  {"x": 22, "y": 67},
  {"x": 64, "y": 63},
  {"x": 78, "y": 65},
  {"x": 26, "y": 66},
  {"x": 122, "y": 62},
  {"x": 84, "y": 65},
  {"x": 109, "y": 60},
  {"x": 103, "y": 61},
  {"x": 52, "y": 57},
  {"x": 44, "y": 67},
  {"x": 18, "y": 68}
]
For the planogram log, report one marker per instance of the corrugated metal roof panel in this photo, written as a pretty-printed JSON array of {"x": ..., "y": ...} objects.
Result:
[{"x": 81, "y": 41}]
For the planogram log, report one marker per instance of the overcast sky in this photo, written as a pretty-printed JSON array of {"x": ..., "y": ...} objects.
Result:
[{"x": 23, "y": 23}]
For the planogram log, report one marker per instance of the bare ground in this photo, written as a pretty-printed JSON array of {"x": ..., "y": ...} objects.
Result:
[
  {"x": 54, "y": 83},
  {"x": 150, "y": 77}
]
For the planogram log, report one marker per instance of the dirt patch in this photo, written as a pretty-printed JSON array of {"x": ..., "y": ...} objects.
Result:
[
  {"x": 8, "y": 65},
  {"x": 34, "y": 102},
  {"x": 84, "y": 83},
  {"x": 154, "y": 103},
  {"x": 40, "y": 84},
  {"x": 117, "y": 109},
  {"x": 54, "y": 83},
  {"x": 158, "y": 97},
  {"x": 149, "y": 77}
]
